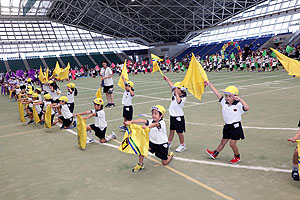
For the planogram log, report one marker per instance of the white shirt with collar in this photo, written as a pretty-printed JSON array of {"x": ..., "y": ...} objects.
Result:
[
  {"x": 66, "y": 111},
  {"x": 127, "y": 99},
  {"x": 176, "y": 109},
  {"x": 158, "y": 135},
  {"x": 231, "y": 113}
]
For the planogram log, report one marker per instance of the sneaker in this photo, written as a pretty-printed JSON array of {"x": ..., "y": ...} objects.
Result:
[
  {"x": 107, "y": 105},
  {"x": 112, "y": 105},
  {"x": 295, "y": 175},
  {"x": 74, "y": 123},
  {"x": 181, "y": 148},
  {"x": 211, "y": 154},
  {"x": 113, "y": 135},
  {"x": 42, "y": 123},
  {"x": 138, "y": 167},
  {"x": 122, "y": 127},
  {"x": 30, "y": 122},
  {"x": 88, "y": 141},
  {"x": 235, "y": 160}
]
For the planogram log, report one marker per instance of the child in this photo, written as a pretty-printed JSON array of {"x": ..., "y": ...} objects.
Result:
[
  {"x": 37, "y": 104},
  {"x": 158, "y": 139},
  {"x": 233, "y": 107},
  {"x": 72, "y": 91},
  {"x": 177, "y": 122},
  {"x": 28, "y": 108},
  {"x": 127, "y": 101},
  {"x": 54, "y": 91},
  {"x": 39, "y": 91},
  {"x": 46, "y": 102},
  {"x": 100, "y": 124},
  {"x": 295, "y": 170},
  {"x": 67, "y": 117}
]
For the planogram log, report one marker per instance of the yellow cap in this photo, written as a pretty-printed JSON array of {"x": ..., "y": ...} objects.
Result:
[
  {"x": 232, "y": 90},
  {"x": 39, "y": 89},
  {"x": 35, "y": 95},
  {"x": 159, "y": 108},
  {"x": 28, "y": 80},
  {"x": 30, "y": 92},
  {"x": 47, "y": 96},
  {"x": 29, "y": 87},
  {"x": 63, "y": 98},
  {"x": 130, "y": 83},
  {"x": 71, "y": 85},
  {"x": 98, "y": 101},
  {"x": 50, "y": 81}
]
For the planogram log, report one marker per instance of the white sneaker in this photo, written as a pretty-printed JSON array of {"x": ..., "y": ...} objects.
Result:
[
  {"x": 88, "y": 141},
  {"x": 113, "y": 135},
  {"x": 181, "y": 148}
]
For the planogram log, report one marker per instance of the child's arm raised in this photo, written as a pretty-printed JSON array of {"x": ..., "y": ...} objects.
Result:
[
  {"x": 168, "y": 81},
  {"x": 296, "y": 137},
  {"x": 245, "y": 105},
  {"x": 213, "y": 89}
]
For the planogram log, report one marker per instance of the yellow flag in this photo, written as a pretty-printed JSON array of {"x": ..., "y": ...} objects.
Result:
[
  {"x": 35, "y": 115},
  {"x": 64, "y": 74},
  {"x": 156, "y": 68},
  {"x": 41, "y": 75},
  {"x": 10, "y": 92},
  {"x": 56, "y": 70},
  {"x": 125, "y": 74},
  {"x": 290, "y": 65},
  {"x": 194, "y": 78},
  {"x": 155, "y": 58},
  {"x": 81, "y": 132},
  {"x": 98, "y": 93},
  {"x": 21, "y": 111},
  {"x": 135, "y": 140},
  {"x": 46, "y": 75},
  {"x": 48, "y": 116}
]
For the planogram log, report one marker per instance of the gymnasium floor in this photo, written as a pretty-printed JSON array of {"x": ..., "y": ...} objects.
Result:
[{"x": 40, "y": 163}]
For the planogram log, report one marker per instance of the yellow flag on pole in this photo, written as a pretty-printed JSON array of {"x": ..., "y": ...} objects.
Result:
[
  {"x": 156, "y": 68},
  {"x": 194, "y": 78},
  {"x": 155, "y": 58},
  {"x": 10, "y": 92},
  {"x": 35, "y": 115},
  {"x": 135, "y": 140},
  {"x": 48, "y": 116},
  {"x": 81, "y": 132},
  {"x": 56, "y": 70},
  {"x": 64, "y": 74},
  {"x": 41, "y": 75},
  {"x": 290, "y": 65},
  {"x": 46, "y": 75},
  {"x": 125, "y": 74},
  {"x": 98, "y": 93},
  {"x": 21, "y": 111}
]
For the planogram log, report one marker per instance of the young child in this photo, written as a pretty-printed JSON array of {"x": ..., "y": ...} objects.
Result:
[
  {"x": 233, "y": 107},
  {"x": 54, "y": 91},
  {"x": 127, "y": 101},
  {"x": 46, "y": 102},
  {"x": 67, "y": 117},
  {"x": 100, "y": 124},
  {"x": 28, "y": 108},
  {"x": 295, "y": 169},
  {"x": 72, "y": 91},
  {"x": 177, "y": 122},
  {"x": 158, "y": 139},
  {"x": 37, "y": 104}
]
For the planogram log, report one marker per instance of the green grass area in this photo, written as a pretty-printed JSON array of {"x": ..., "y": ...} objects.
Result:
[{"x": 39, "y": 163}]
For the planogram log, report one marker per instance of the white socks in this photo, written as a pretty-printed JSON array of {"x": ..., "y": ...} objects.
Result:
[{"x": 90, "y": 135}]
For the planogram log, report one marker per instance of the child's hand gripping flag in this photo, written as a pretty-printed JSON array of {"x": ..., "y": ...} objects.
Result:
[
  {"x": 290, "y": 65},
  {"x": 125, "y": 74},
  {"x": 194, "y": 78},
  {"x": 81, "y": 132},
  {"x": 154, "y": 60},
  {"x": 135, "y": 140}
]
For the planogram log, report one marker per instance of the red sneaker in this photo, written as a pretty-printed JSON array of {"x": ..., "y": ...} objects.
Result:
[
  {"x": 211, "y": 154},
  {"x": 235, "y": 160}
]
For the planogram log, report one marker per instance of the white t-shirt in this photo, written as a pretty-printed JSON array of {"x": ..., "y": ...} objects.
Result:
[
  {"x": 37, "y": 107},
  {"x": 66, "y": 111},
  {"x": 175, "y": 108},
  {"x": 158, "y": 135},
  {"x": 127, "y": 99},
  {"x": 233, "y": 113},
  {"x": 70, "y": 96},
  {"x": 107, "y": 72},
  {"x": 100, "y": 119},
  {"x": 46, "y": 103},
  {"x": 55, "y": 94},
  {"x": 30, "y": 105},
  {"x": 18, "y": 90}
]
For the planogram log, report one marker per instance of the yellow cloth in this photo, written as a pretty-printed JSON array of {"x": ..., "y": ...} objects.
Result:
[
  {"x": 98, "y": 93},
  {"x": 21, "y": 111},
  {"x": 136, "y": 140},
  {"x": 56, "y": 70},
  {"x": 41, "y": 76},
  {"x": 10, "y": 92},
  {"x": 46, "y": 74},
  {"x": 156, "y": 68},
  {"x": 155, "y": 58},
  {"x": 194, "y": 78},
  {"x": 48, "y": 117},
  {"x": 35, "y": 115},
  {"x": 81, "y": 132},
  {"x": 125, "y": 74},
  {"x": 64, "y": 74},
  {"x": 298, "y": 145},
  {"x": 290, "y": 65}
]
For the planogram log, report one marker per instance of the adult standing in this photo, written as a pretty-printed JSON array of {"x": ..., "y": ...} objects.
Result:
[{"x": 107, "y": 83}]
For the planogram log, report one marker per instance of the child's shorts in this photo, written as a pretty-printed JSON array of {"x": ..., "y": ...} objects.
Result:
[
  {"x": 128, "y": 112},
  {"x": 177, "y": 123},
  {"x": 30, "y": 109},
  {"x": 71, "y": 107},
  {"x": 100, "y": 134},
  {"x": 160, "y": 150},
  {"x": 108, "y": 89},
  {"x": 233, "y": 131},
  {"x": 66, "y": 122}
]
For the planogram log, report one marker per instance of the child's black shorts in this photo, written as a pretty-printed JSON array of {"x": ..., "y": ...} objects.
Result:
[
  {"x": 160, "y": 150},
  {"x": 66, "y": 122},
  {"x": 100, "y": 134},
  {"x": 233, "y": 131},
  {"x": 71, "y": 107},
  {"x": 107, "y": 88},
  {"x": 128, "y": 112},
  {"x": 177, "y": 123}
]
